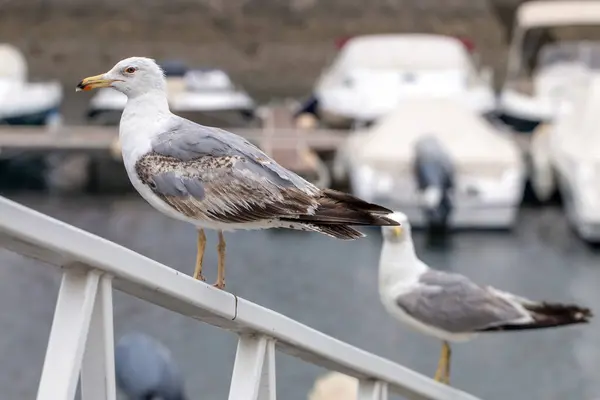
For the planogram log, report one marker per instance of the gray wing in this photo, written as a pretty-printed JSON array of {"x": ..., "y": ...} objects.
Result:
[
  {"x": 453, "y": 303},
  {"x": 209, "y": 173}
]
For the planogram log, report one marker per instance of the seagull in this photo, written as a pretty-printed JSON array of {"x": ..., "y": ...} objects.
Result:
[
  {"x": 449, "y": 306},
  {"x": 145, "y": 369},
  {"x": 214, "y": 179}
]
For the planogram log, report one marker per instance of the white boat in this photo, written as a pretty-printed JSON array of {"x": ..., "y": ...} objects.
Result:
[
  {"x": 189, "y": 91},
  {"x": 373, "y": 74},
  {"x": 487, "y": 169},
  {"x": 545, "y": 55},
  {"x": 23, "y": 102},
  {"x": 567, "y": 154}
]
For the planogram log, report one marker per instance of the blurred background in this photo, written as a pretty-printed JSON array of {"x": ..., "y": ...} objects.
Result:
[
  {"x": 477, "y": 118},
  {"x": 273, "y": 48}
]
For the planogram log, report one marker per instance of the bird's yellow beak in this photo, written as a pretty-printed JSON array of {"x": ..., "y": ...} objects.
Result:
[
  {"x": 397, "y": 230},
  {"x": 94, "y": 82}
]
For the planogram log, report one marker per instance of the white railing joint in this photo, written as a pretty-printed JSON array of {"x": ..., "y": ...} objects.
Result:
[{"x": 235, "y": 310}]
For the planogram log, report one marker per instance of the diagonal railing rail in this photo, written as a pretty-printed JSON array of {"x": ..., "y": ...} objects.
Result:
[{"x": 81, "y": 342}]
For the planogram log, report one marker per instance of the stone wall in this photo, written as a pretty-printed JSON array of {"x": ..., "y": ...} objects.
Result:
[{"x": 272, "y": 47}]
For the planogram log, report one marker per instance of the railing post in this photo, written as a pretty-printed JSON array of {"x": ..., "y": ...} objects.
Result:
[
  {"x": 383, "y": 387},
  {"x": 267, "y": 389},
  {"x": 98, "y": 369},
  {"x": 371, "y": 390},
  {"x": 247, "y": 379},
  {"x": 68, "y": 334}
]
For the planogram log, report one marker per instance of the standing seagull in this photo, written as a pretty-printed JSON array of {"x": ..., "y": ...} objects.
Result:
[
  {"x": 449, "y": 306},
  {"x": 212, "y": 178}
]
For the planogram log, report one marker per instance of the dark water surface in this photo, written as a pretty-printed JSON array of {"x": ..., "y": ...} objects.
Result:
[{"x": 329, "y": 285}]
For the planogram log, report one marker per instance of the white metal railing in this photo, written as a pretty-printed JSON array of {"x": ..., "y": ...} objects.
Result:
[{"x": 81, "y": 339}]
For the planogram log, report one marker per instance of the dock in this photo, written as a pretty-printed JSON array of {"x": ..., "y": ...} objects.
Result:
[
  {"x": 95, "y": 138},
  {"x": 278, "y": 137},
  {"x": 301, "y": 147},
  {"x": 97, "y": 148}
]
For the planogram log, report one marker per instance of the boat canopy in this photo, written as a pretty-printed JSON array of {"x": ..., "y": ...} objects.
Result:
[
  {"x": 13, "y": 65},
  {"x": 403, "y": 52},
  {"x": 467, "y": 136},
  {"x": 537, "y": 14}
]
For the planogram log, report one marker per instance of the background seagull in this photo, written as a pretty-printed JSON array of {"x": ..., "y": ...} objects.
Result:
[
  {"x": 451, "y": 307},
  {"x": 145, "y": 369},
  {"x": 215, "y": 179}
]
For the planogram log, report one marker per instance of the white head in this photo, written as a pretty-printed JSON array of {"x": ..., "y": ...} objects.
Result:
[
  {"x": 397, "y": 234},
  {"x": 134, "y": 76},
  {"x": 397, "y": 261}
]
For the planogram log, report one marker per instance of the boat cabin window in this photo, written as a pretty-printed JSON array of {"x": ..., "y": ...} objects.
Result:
[
  {"x": 586, "y": 53},
  {"x": 543, "y": 47}
]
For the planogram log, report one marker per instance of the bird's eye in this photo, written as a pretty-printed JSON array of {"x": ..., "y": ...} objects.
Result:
[{"x": 130, "y": 70}]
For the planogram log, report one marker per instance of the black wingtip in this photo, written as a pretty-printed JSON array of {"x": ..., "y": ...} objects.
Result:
[
  {"x": 549, "y": 315},
  {"x": 355, "y": 202},
  {"x": 566, "y": 312},
  {"x": 343, "y": 209}
]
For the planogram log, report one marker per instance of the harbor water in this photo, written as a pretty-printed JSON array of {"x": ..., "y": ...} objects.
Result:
[{"x": 329, "y": 285}]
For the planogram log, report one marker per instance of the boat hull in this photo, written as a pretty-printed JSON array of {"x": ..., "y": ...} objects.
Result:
[
  {"x": 489, "y": 215},
  {"x": 38, "y": 118},
  {"x": 585, "y": 221}
]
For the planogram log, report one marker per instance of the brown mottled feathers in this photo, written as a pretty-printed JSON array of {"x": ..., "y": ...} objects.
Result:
[
  {"x": 236, "y": 189},
  {"x": 229, "y": 197},
  {"x": 548, "y": 315}
]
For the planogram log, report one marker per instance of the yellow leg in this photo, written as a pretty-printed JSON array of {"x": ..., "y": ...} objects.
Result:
[
  {"x": 447, "y": 371},
  {"x": 221, "y": 263},
  {"x": 442, "y": 374},
  {"x": 439, "y": 372},
  {"x": 200, "y": 255}
]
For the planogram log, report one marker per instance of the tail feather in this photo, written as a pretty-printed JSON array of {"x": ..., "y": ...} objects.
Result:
[
  {"x": 343, "y": 232},
  {"x": 338, "y": 208},
  {"x": 354, "y": 202},
  {"x": 549, "y": 315}
]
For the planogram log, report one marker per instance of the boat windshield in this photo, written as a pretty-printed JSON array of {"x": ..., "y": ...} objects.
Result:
[
  {"x": 563, "y": 44},
  {"x": 586, "y": 53}
]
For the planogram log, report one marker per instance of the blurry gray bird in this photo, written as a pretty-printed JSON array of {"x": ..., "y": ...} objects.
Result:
[
  {"x": 434, "y": 173},
  {"x": 145, "y": 369}
]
